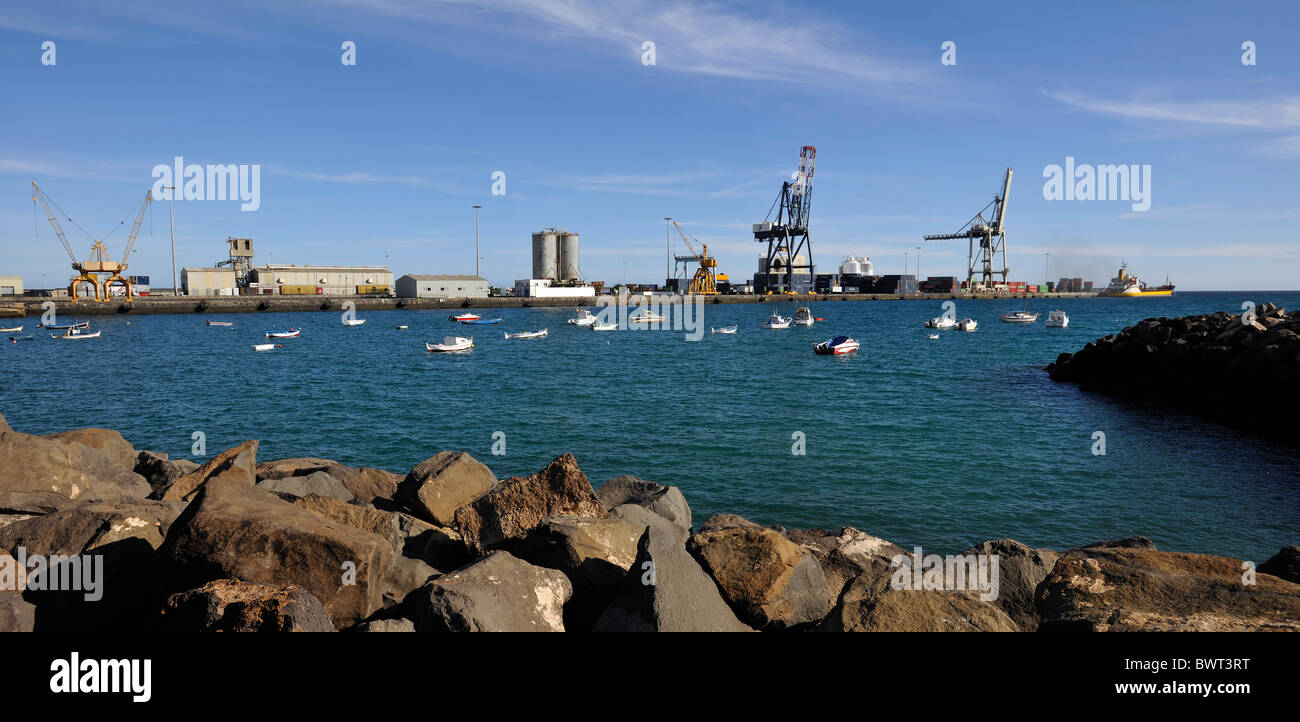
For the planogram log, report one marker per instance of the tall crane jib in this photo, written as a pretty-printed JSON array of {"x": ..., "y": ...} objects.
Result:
[
  {"x": 991, "y": 233},
  {"x": 788, "y": 265},
  {"x": 88, "y": 271},
  {"x": 705, "y": 282}
]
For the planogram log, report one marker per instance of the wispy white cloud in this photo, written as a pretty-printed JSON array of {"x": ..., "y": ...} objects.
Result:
[
  {"x": 1169, "y": 213},
  {"x": 1266, "y": 114}
]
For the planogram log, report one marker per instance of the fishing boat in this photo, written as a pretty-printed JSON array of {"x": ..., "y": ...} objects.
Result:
[
  {"x": 776, "y": 321},
  {"x": 402, "y": 327},
  {"x": 61, "y": 327},
  {"x": 1057, "y": 319},
  {"x": 1019, "y": 317},
  {"x": 967, "y": 324},
  {"x": 528, "y": 334},
  {"x": 220, "y": 323},
  {"x": 724, "y": 329},
  {"x": 451, "y": 343},
  {"x": 604, "y": 326},
  {"x": 646, "y": 316},
  {"x": 932, "y": 336},
  {"x": 464, "y": 317},
  {"x": 291, "y": 333},
  {"x": 836, "y": 346},
  {"x": 353, "y": 321},
  {"x": 75, "y": 334},
  {"x": 802, "y": 317},
  {"x": 942, "y": 323},
  {"x": 266, "y": 346},
  {"x": 11, "y": 329},
  {"x": 481, "y": 321},
  {"x": 583, "y": 317}
]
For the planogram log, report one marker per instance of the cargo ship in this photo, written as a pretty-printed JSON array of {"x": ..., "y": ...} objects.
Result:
[{"x": 1125, "y": 285}]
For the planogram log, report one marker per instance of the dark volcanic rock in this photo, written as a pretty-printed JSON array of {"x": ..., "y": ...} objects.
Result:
[
  {"x": 236, "y": 464},
  {"x": 317, "y": 483},
  {"x": 771, "y": 582},
  {"x": 643, "y": 518},
  {"x": 231, "y": 605},
  {"x": 498, "y": 593},
  {"x": 365, "y": 483},
  {"x": 1284, "y": 565},
  {"x": 1118, "y": 589},
  {"x": 846, "y": 554},
  {"x": 40, "y": 475},
  {"x": 666, "y": 501},
  {"x": 1020, "y": 570},
  {"x": 516, "y": 506},
  {"x": 594, "y": 553},
  {"x": 667, "y": 591},
  {"x": 871, "y": 604},
  {"x": 160, "y": 471},
  {"x": 1131, "y": 542}
]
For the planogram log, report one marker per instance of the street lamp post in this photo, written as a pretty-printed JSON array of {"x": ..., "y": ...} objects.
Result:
[
  {"x": 476, "y": 239},
  {"x": 668, "y": 249},
  {"x": 918, "y": 264},
  {"x": 1046, "y": 275},
  {"x": 171, "y": 219}
]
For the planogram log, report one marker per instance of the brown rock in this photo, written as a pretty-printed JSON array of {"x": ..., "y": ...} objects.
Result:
[
  {"x": 365, "y": 483},
  {"x": 1020, "y": 570},
  {"x": 1126, "y": 589},
  {"x": 498, "y": 593},
  {"x": 871, "y": 604},
  {"x": 594, "y": 553},
  {"x": 237, "y": 464},
  {"x": 40, "y": 475},
  {"x": 1284, "y": 565},
  {"x": 368, "y": 519},
  {"x": 846, "y": 554},
  {"x": 160, "y": 471},
  {"x": 767, "y": 579},
  {"x": 109, "y": 442},
  {"x": 516, "y": 506},
  {"x": 231, "y": 605},
  {"x": 440, "y": 485}
]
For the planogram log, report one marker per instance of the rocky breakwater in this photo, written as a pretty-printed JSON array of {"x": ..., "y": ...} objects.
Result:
[
  {"x": 1239, "y": 369},
  {"x": 141, "y": 542}
]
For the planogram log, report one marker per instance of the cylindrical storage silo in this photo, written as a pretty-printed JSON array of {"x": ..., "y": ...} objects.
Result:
[
  {"x": 568, "y": 261},
  {"x": 544, "y": 254},
  {"x": 868, "y": 268},
  {"x": 851, "y": 267}
]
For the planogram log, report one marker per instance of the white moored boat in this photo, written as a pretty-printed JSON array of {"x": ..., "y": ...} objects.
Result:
[
  {"x": 75, "y": 334},
  {"x": 1057, "y": 319},
  {"x": 225, "y": 324},
  {"x": 604, "y": 326},
  {"x": 464, "y": 317},
  {"x": 583, "y": 318},
  {"x": 803, "y": 317},
  {"x": 528, "y": 334},
  {"x": 266, "y": 346},
  {"x": 647, "y": 316},
  {"x": 11, "y": 329},
  {"x": 451, "y": 343},
  {"x": 1019, "y": 317},
  {"x": 836, "y": 346},
  {"x": 724, "y": 329},
  {"x": 942, "y": 323},
  {"x": 777, "y": 321},
  {"x": 291, "y": 333},
  {"x": 353, "y": 321},
  {"x": 967, "y": 324}
]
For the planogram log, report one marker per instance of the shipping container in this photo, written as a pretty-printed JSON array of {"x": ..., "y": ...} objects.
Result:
[
  {"x": 372, "y": 290},
  {"x": 301, "y": 290}
]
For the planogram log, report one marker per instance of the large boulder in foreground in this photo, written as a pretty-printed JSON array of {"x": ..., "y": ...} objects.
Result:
[
  {"x": 317, "y": 483},
  {"x": 667, "y": 591},
  {"x": 771, "y": 582},
  {"x": 233, "y": 530},
  {"x": 236, "y": 464},
  {"x": 107, "y": 441},
  {"x": 871, "y": 604},
  {"x": 40, "y": 475},
  {"x": 1020, "y": 570},
  {"x": 231, "y": 605},
  {"x": 498, "y": 593},
  {"x": 508, "y": 511},
  {"x": 642, "y": 518},
  {"x": 82, "y": 529},
  {"x": 845, "y": 554},
  {"x": 363, "y": 482},
  {"x": 1284, "y": 565},
  {"x": 1125, "y": 589},
  {"x": 666, "y": 501},
  {"x": 441, "y": 484},
  {"x": 594, "y": 553}
]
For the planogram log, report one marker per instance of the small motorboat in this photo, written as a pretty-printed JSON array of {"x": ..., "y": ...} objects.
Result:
[
  {"x": 266, "y": 346},
  {"x": 480, "y": 321},
  {"x": 802, "y": 317},
  {"x": 724, "y": 329},
  {"x": 464, "y": 317},
  {"x": 353, "y": 321},
  {"x": 220, "y": 323},
  {"x": 932, "y": 336},
  {"x": 1019, "y": 317},
  {"x": 291, "y": 333},
  {"x": 75, "y": 334},
  {"x": 646, "y": 316},
  {"x": 11, "y": 329},
  {"x": 776, "y": 321},
  {"x": 65, "y": 326},
  {"x": 1057, "y": 319},
  {"x": 836, "y": 346},
  {"x": 583, "y": 318},
  {"x": 528, "y": 334},
  {"x": 451, "y": 343},
  {"x": 604, "y": 326},
  {"x": 942, "y": 323},
  {"x": 402, "y": 327},
  {"x": 967, "y": 324}
]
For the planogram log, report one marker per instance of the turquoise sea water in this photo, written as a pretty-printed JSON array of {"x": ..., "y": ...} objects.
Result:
[{"x": 942, "y": 443}]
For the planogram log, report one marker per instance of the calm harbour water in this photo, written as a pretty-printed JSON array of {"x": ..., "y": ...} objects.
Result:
[{"x": 942, "y": 443}]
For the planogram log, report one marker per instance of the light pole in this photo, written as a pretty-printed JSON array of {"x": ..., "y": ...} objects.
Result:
[
  {"x": 904, "y": 263},
  {"x": 918, "y": 264},
  {"x": 476, "y": 239},
  {"x": 1046, "y": 275},
  {"x": 624, "y": 274},
  {"x": 668, "y": 249},
  {"x": 171, "y": 219}
]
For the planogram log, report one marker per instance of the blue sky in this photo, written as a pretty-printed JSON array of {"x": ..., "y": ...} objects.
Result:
[{"x": 381, "y": 162}]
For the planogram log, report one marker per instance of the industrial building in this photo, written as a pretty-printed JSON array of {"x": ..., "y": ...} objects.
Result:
[
  {"x": 208, "y": 281},
  {"x": 292, "y": 280},
  {"x": 423, "y": 285},
  {"x": 556, "y": 273},
  {"x": 11, "y": 285}
]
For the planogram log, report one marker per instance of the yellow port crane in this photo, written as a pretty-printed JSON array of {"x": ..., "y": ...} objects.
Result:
[
  {"x": 89, "y": 271},
  {"x": 705, "y": 281}
]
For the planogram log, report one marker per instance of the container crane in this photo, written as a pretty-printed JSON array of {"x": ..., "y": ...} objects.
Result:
[
  {"x": 705, "y": 282},
  {"x": 785, "y": 231},
  {"x": 992, "y": 237},
  {"x": 89, "y": 271}
]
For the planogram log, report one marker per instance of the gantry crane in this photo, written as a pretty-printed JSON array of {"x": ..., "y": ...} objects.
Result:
[
  {"x": 786, "y": 233},
  {"x": 705, "y": 282},
  {"x": 992, "y": 237},
  {"x": 89, "y": 271}
]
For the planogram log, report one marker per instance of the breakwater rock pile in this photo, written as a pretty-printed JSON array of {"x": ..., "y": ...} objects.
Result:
[
  {"x": 1231, "y": 368},
  {"x": 97, "y": 536}
]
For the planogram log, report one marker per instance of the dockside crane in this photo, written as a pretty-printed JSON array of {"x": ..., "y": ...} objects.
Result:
[
  {"x": 705, "y": 282},
  {"x": 991, "y": 234},
  {"x": 88, "y": 271},
  {"x": 785, "y": 230}
]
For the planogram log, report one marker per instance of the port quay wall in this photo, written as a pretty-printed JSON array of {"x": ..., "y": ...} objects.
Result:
[{"x": 256, "y": 304}]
